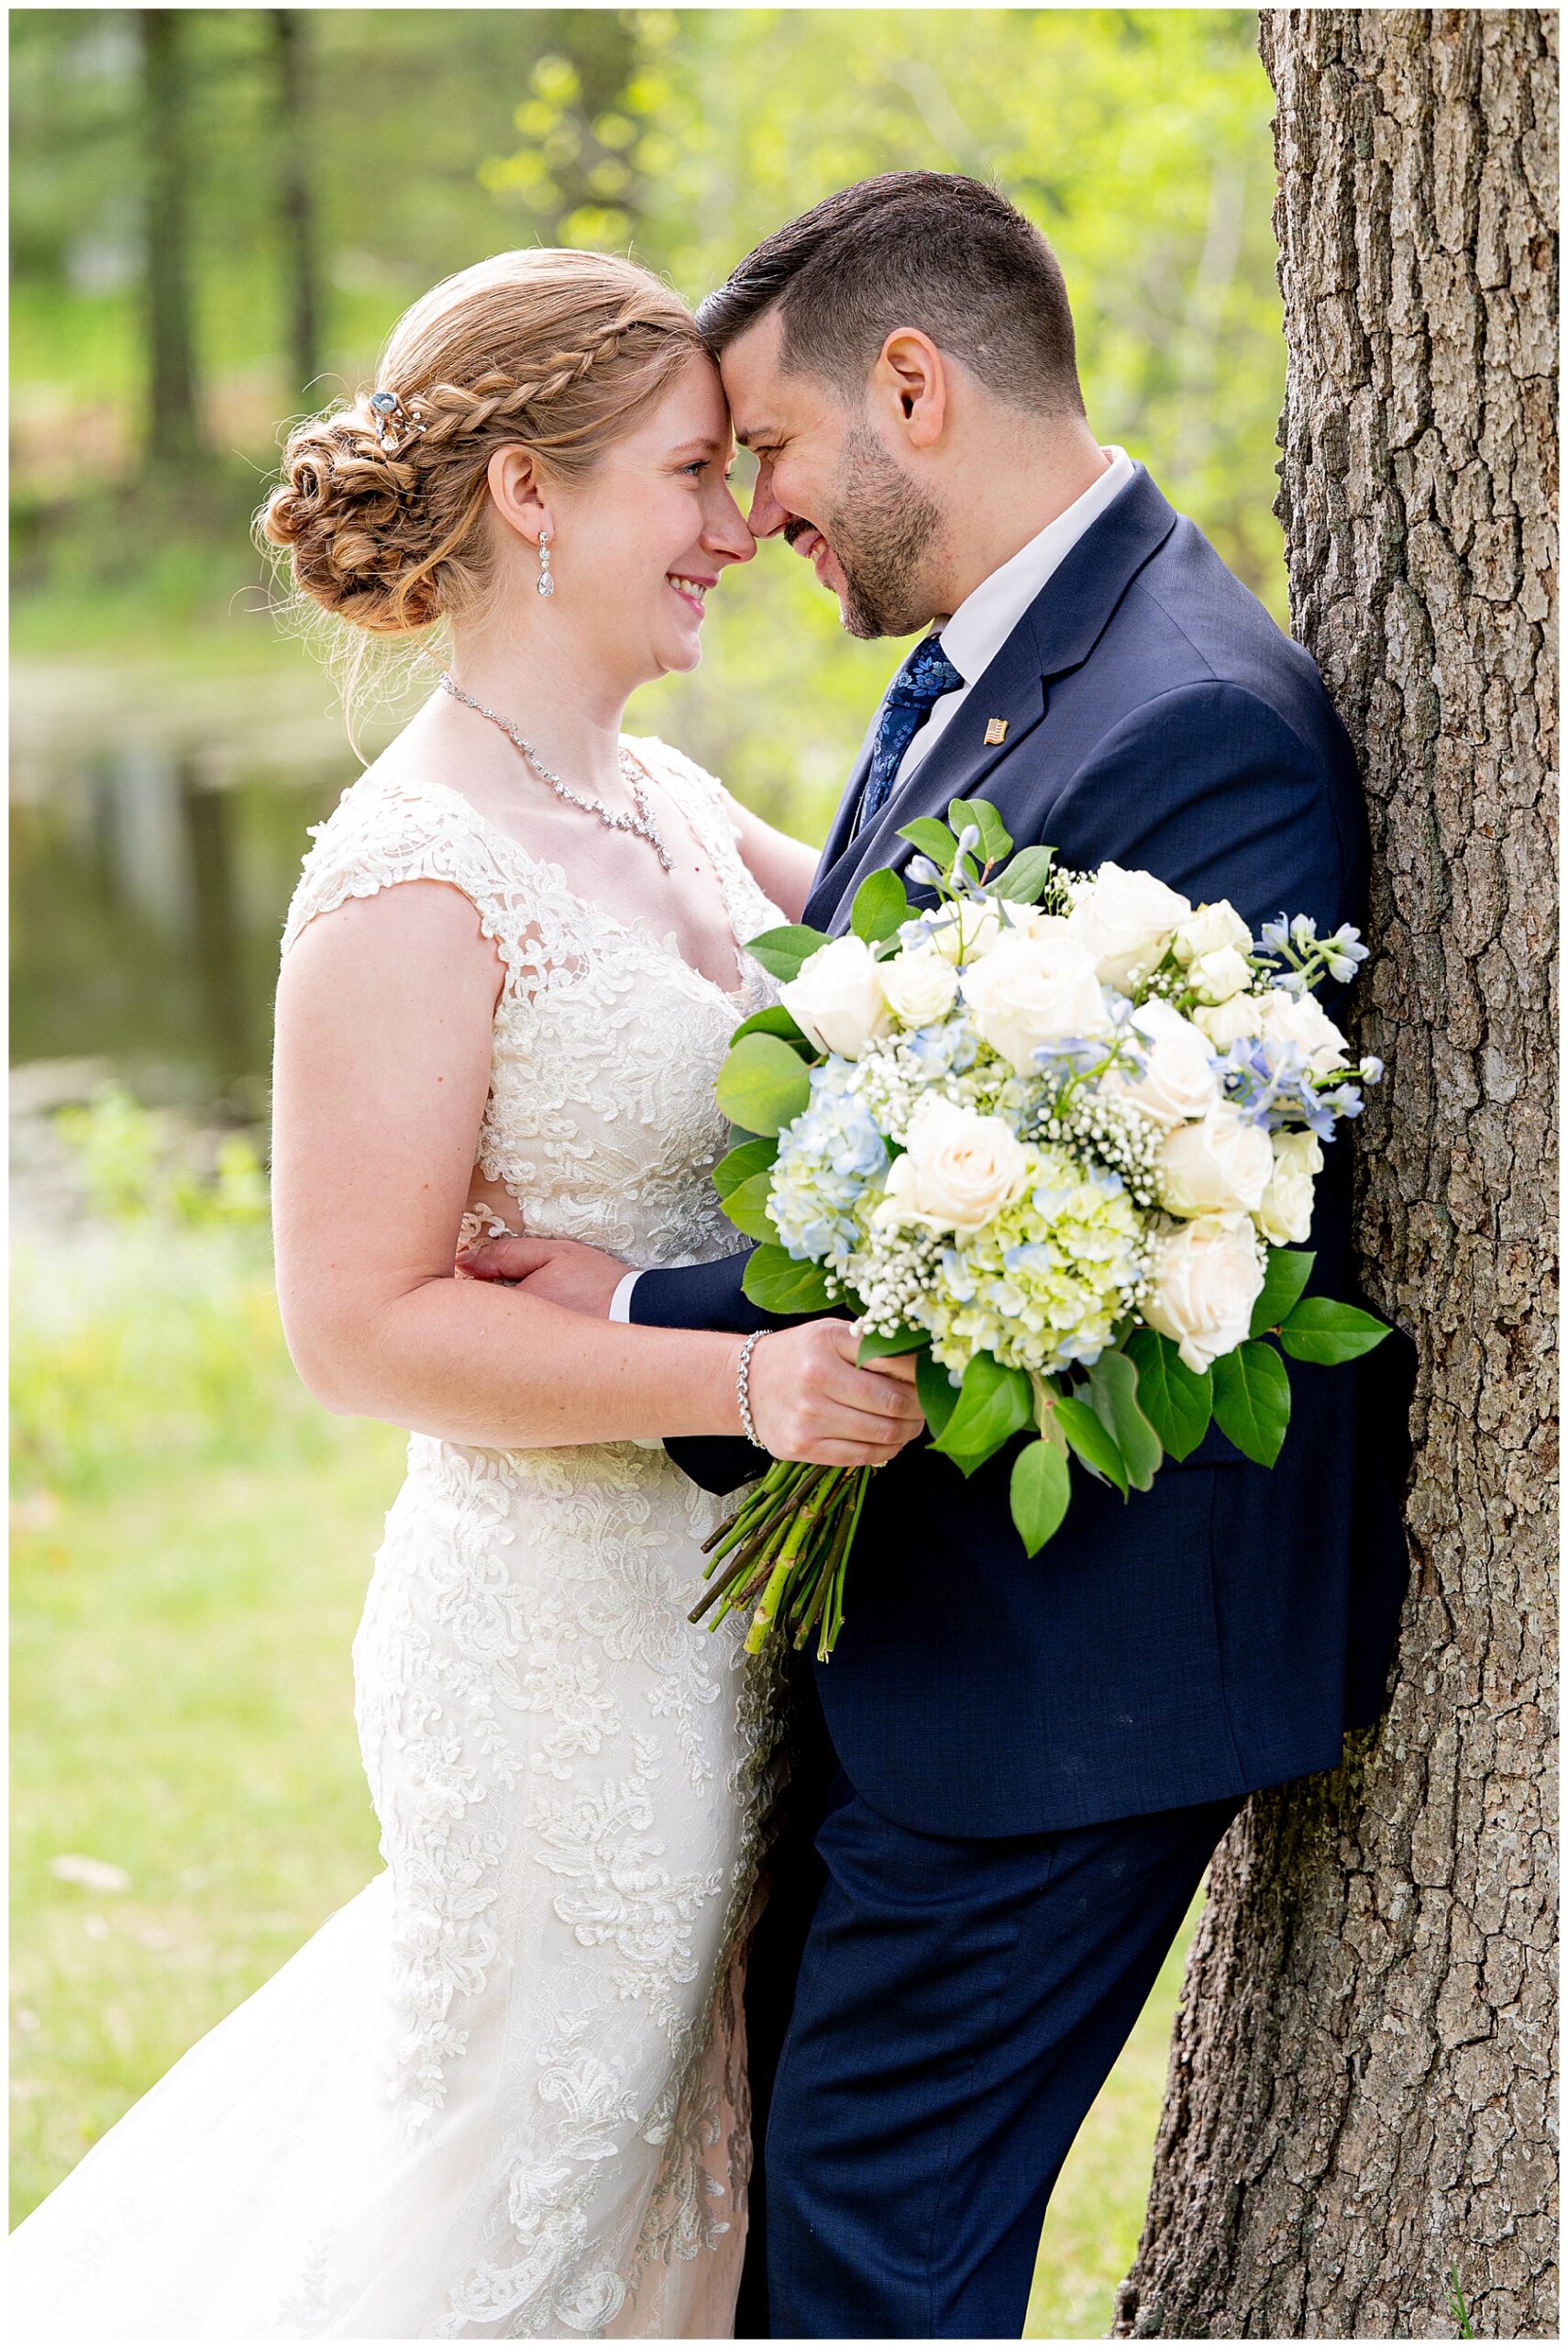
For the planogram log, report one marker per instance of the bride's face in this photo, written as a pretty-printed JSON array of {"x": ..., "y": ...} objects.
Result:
[{"x": 643, "y": 542}]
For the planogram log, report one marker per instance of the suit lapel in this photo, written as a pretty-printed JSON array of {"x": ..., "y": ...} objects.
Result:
[{"x": 1057, "y": 632}]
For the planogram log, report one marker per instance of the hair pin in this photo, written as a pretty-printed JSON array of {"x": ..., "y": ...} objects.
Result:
[{"x": 393, "y": 419}]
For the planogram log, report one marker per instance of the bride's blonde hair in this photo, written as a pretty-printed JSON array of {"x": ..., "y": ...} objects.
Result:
[{"x": 381, "y": 518}]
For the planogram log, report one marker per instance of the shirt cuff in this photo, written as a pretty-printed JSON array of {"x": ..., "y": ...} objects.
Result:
[{"x": 621, "y": 1302}]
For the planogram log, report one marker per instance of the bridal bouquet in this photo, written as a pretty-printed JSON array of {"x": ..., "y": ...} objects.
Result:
[{"x": 1055, "y": 1135}]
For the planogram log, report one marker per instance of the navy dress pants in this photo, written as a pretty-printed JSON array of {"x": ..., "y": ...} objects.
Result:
[{"x": 960, "y": 2004}]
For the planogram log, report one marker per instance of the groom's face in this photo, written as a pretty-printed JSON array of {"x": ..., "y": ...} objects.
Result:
[{"x": 828, "y": 484}]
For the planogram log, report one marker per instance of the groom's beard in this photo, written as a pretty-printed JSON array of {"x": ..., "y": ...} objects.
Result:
[{"x": 881, "y": 531}]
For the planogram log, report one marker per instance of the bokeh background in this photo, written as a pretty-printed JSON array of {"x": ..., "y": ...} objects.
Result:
[{"x": 216, "y": 216}]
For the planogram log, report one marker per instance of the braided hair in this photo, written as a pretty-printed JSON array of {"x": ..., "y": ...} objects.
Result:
[{"x": 557, "y": 351}]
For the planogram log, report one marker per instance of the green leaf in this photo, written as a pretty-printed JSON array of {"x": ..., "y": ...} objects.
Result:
[
  {"x": 1285, "y": 1276},
  {"x": 881, "y": 906},
  {"x": 782, "y": 951},
  {"x": 779, "y": 1283},
  {"x": 1113, "y": 1398},
  {"x": 937, "y": 1395},
  {"x": 1320, "y": 1329},
  {"x": 747, "y": 1206},
  {"x": 1177, "y": 1402},
  {"x": 1039, "y": 1490},
  {"x": 995, "y": 840},
  {"x": 747, "y": 1158},
  {"x": 993, "y": 1404},
  {"x": 1096, "y": 1449},
  {"x": 774, "y": 1019},
  {"x": 1022, "y": 880},
  {"x": 1252, "y": 1400},
  {"x": 763, "y": 1085},
  {"x": 932, "y": 839},
  {"x": 902, "y": 1341}
]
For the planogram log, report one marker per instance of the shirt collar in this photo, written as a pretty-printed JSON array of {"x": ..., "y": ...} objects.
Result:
[{"x": 987, "y": 617}]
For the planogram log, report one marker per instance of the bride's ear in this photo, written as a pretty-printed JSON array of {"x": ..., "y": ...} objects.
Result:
[{"x": 518, "y": 495}]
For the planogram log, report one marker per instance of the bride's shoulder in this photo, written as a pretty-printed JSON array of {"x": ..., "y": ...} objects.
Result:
[{"x": 392, "y": 825}]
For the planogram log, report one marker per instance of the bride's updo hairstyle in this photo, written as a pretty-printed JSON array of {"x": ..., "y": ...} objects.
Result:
[{"x": 382, "y": 513}]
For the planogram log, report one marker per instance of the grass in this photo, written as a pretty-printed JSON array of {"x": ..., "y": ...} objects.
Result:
[{"x": 191, "y": 1544}]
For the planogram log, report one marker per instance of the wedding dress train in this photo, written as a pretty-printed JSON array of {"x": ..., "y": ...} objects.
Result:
[{"x": 501, "y": 2094}]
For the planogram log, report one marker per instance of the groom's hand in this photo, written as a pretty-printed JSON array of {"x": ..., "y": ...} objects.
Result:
[{"x": 563, "y": 1272}]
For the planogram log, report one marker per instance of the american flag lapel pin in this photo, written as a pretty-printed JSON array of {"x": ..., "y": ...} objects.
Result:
[{"x": 995, "y": 731}]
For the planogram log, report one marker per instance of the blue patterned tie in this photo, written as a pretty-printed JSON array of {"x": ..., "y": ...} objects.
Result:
[{"x": 926, "y": 676}]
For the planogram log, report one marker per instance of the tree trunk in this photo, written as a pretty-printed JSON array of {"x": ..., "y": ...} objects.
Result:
[
  {"x": 1358, "y": 2112},
  {"x": 173, "y": 427},
  {"x": 296, "y": 201}
]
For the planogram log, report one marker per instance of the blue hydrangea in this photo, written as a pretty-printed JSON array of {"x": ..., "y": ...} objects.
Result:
[{"x": 827, "y": 1159}]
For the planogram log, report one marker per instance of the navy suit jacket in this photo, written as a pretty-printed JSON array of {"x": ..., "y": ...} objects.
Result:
[{"x": 1222, "y": 1632}]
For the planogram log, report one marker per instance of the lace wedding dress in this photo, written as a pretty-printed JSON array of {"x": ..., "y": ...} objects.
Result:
[{"x": 501, "y": 2094}]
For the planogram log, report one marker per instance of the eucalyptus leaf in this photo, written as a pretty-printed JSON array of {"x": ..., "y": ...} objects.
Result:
[
  {"x": 936, "y": 1393},
  {"x": 748, "y": 1157},
  {"x": 1113, "y": 1398},
  {"x": 994, "y": 1403},
  {"x": 779, "y": 1283},
  {"x": 877, "y": 1348},
  {"x": 881, "y": 907},
  {"x": 763, "y": 1084},
  {"x": 1252, "y": 1400},
  {"x": 782, "y": 951},
  {"x": 774, "y": 1019},
  {"x": 1178, "y": 1402},
  {"x": 932, "y": 839},
  {"x": 1040, "y": 1488},
  {"x": 1285, "y": 1276},
  {"x": 747, "y": 1206},
  {"x": 1022, "y": 880},
  {"x": 1096, "y": 1449},
  {"x": 1320, "y": 1329}
]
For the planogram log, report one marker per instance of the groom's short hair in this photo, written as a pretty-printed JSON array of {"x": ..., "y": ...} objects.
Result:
[{"x": 928, "y": 250}]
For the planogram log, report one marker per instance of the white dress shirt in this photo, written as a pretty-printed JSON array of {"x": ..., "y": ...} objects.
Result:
[{"x": 975, "y": 634}]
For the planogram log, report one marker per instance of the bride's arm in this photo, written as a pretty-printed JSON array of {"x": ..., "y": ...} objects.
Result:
[
  {"x": 782, "y": 868},
  {"x": 384, "y": 1051}
]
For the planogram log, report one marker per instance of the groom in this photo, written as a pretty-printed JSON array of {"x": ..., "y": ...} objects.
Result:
[{"x": 1032, "y": 1759}]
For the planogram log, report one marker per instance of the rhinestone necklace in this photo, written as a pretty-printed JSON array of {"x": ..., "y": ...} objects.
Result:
[{"x": 613, "y": 819}]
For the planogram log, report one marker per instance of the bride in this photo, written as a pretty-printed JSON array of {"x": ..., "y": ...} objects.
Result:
[{"x": 501, "y": 2093}]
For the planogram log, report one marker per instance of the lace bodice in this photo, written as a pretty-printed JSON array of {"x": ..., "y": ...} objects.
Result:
[{"x": 600, "y": 1121}]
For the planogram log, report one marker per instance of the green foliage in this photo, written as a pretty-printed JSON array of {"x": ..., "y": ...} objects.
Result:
[
  {"x": 1113, "y": 1398},
  {"x": 1093, "y": 1443},
  {"x": 1252, "y": 1400},
  {"x": 1039, "y": 1490},
  {"x": 1320, "y": 1329},
  {"x": 763, "y": 1085},
  {"x": 994, "y": 1404},
  {"x": 1177, "y": 1402},
  {"x": 1286, "y": 1273},
  {"x": 123, "y": 1157},
  {"x": 776, "y": 1282}
]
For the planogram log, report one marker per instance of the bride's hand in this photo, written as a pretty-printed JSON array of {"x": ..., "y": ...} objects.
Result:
[
  {"x": 562, "y": 1271},
  {"x": 810, "y": 1401}
]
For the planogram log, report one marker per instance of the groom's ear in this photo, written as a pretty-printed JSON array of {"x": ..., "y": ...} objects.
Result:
[{"x": 910, "y": 381}]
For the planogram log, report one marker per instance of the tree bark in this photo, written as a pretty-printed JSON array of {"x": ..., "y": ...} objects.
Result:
[
  {"x": 173, "y": 424},
  {"x": 296, "y": 199},
  {"x": 1359, "y": 2106}
]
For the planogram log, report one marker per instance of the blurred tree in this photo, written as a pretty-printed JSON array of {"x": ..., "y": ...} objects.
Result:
[
  {"x": 174, "y": 433},
  {"x": 1358, "y": 2136},
  {"x": 296, "y": 194}
]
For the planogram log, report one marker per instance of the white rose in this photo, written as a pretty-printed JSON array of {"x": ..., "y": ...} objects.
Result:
[
  {"x": 1301, "y": 1019},
  {"x": 837, "y": 997},
  {"x": 1124, "y": 919},
  {"x": 1223, "y": 1022},
  {"x": 958, "y": 1170},
  {"x": 1205, "y": 1281},
  {"x": 968, "y": 929},
  {"x": 1177, "y": 1082},
  {"x": 920, "y": 986},
  {"x": 1034, "y": 989},
  {"x": 1210, "y": 927},
  {"x": 1285, "y": 1214},
  {"x": 1215, "y": 1167},
  {"x": 1215, "y": 977}
]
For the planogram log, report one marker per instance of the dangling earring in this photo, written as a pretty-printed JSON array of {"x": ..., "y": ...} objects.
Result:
[{"x": 546, "y": 585}]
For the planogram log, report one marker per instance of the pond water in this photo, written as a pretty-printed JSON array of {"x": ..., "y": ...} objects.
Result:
[{"x": 155, "y": 836}]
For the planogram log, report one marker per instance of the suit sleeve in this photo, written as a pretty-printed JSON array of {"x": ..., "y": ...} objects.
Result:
[{"x": 707, "y": 1296}]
